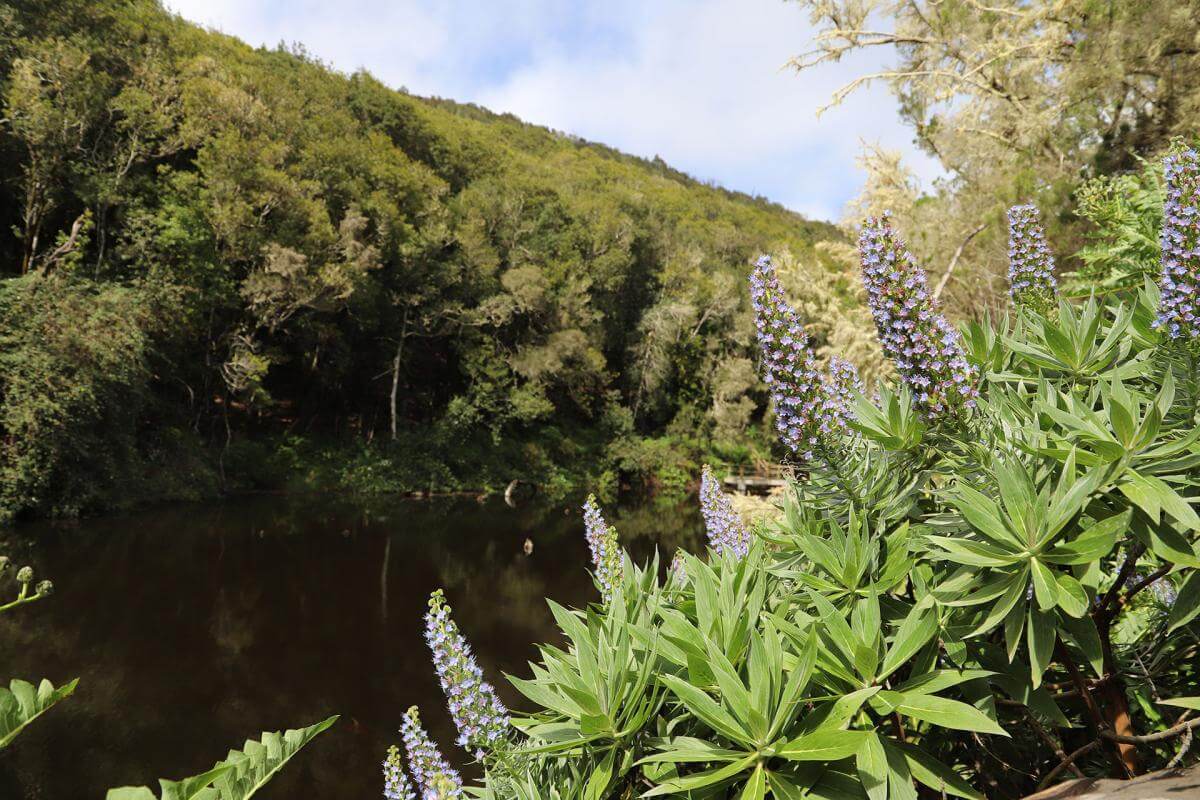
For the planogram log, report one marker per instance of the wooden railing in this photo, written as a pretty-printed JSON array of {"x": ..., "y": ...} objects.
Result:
[{"x": 758, "y": 476}]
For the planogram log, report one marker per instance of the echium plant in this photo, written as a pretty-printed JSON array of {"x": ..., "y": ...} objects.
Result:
[
  {"x": 806, "y": 414},
  {"x": 481, "y": 719},
  {"x": 727, "y": 533},
  {"x": 924, "y": 346},
  {"x": 604, "y": 546},
  {"x": 1179, "y": 285},
  {"x": 433, "y": 775},
  {"x": 395, "y": 782},
  {"x": 678, "y": 568},
  {"x": 1023, "y": 590},
  {"x": 845, "y": 384},
  {"x": 1031, "y": 279}
]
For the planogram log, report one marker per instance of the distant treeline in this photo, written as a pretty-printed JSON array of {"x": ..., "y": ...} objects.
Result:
[{"x": 225, "y": 267}]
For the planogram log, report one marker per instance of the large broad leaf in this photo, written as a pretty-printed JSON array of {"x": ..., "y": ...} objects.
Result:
[
  {"x": 1083, "y": 634},
  {"x": 600, "y": 777},
  {"x": 1154, "y": 495},
  {"x": 21, "y": 704},
  {"x": 239, "y": 776},
  {"x": 685, "y": 748},
  {"x": 197, "y": 787},
  {"x": 917, "y": 629},
  {"x": 258, "y": 762},
  {"x": 1042, "y": 633},
  {"x": 1045, "y": 588},
  {"x": 940, "y": 680}
]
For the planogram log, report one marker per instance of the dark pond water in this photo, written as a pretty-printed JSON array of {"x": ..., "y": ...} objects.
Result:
[{"x": 192, "y": 628}]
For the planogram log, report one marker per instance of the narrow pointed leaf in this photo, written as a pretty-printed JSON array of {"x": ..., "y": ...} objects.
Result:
[
  {"x": 1187, "y": 603},
  {"x": 947, "y": 713},
  {"x": 823, "y": 745},
  {"x": 871, "y": 762}
]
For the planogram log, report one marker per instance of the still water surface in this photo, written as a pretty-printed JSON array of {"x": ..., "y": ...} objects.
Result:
[{"x": 194, "y": 627}]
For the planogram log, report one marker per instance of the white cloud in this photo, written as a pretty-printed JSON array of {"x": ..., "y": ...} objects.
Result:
[
  {"x": 699, "y": 82},
  {"x": 702, "y": 84},
  {"x": 392, "y": 40}
]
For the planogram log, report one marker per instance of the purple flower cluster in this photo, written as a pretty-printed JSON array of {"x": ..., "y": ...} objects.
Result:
[
  {"x": 481, "y": 719},
  {"x": 726, "y": 532},
  {"x": 434, "y": 776},
  {"x": 844, "y": 384},
  {"x": 925, "y": 348},
  {"x": 1165, "y": 592},
  {"x": 805, "y": 414},
  {"x": 1030, "y": 264},
  {"x": 1179, "y": 307},
  {"x": 395, "y": 782},
  {"x": 606, "y": 550},
  {"x": 678, "y": 567}
]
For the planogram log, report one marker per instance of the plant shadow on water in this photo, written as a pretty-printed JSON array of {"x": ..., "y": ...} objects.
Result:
[{"x": 192, "y": 628}]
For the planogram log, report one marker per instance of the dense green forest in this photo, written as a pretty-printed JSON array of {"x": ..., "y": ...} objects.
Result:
[{"x": 225, "y": 268}]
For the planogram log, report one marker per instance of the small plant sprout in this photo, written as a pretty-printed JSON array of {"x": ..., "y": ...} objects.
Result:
[{"x": 27, "y": 591}]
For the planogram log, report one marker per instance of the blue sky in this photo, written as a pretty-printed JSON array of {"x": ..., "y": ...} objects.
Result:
[{"x": 700, "y": 83}]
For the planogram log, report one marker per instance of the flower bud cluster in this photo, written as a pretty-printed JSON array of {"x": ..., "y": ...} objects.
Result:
[
  {"x": 1030, "y": 265},
  {"x": 481, "y": 719},
  {"x": 1179, "y": 284},
  {"x": 844, "y": 384},
  {"x": 805, "y": 413},
  {"x": 605, "y": 549},
  {"x": 925, "y": 348},
  {"x": 395, "y": 782},
  {"x": 678, "y": 567},
  {"x": 727, "y": 532},
  {"x": 435, "y": 778}
]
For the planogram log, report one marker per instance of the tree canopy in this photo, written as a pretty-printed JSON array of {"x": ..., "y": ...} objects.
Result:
[{"x": 311, "y": 253}]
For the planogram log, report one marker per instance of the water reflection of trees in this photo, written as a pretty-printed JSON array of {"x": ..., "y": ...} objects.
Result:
[{"x": 192, "y": 627}]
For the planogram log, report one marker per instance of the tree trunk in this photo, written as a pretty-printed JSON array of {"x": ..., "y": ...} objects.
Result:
[
  {"x": 32, "y": 222},
  {"x": 395, "y": 384},
  {"x": 954, "y": 260},
  {"x": 1116, "y": 711},
  {"x": 396, "y": 371},
  {"x": 1115, "y": 704}
]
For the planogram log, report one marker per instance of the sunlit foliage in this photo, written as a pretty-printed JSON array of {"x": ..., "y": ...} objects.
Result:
[{"x": 1011, "y": 578}]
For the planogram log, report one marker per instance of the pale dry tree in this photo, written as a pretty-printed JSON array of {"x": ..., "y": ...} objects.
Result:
[{"x": 1016, "y": 100}]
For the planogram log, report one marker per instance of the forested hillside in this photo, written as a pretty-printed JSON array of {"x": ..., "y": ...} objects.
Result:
[{"x": 226, "y": 268}]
